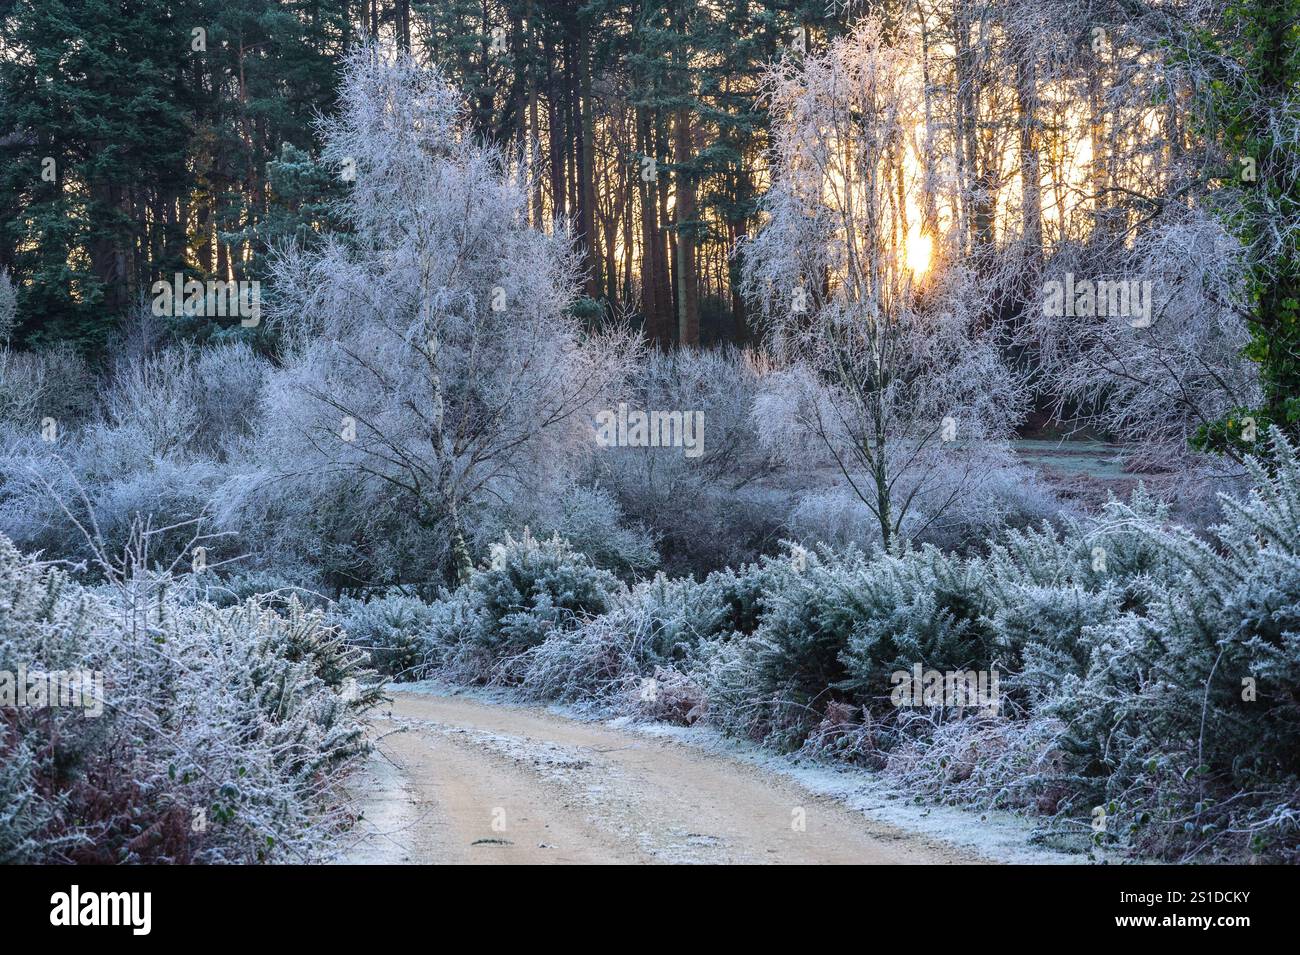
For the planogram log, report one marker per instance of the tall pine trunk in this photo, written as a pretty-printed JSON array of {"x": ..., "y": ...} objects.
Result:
[{"x": 688, "y": 285}]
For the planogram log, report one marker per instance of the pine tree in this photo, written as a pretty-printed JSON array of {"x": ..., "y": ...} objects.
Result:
[{"x": 95, "y": 133}]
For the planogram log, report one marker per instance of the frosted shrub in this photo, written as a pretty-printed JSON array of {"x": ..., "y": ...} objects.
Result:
[
  {"x": 655, "y": 628},
  {"x": 153, "y": 398},
  {"x": 223, "y": 733},
  {"x": 773, "y": 683},
  {"x": 592, "y": 665},
  {"x": 832, "y": 517},
  {"x": 8, "y": 307},
  {"x": 589, "y": 518},
  {"x": 705, "y": 512},
  {"x": 682, "y": 613},
  {"x": 228, "y": 382},
  {"x": 275, "y": 587},
  {"x": 104, "y": 480},
  {"x": 155, "y": 449},
  {"x": 354, "y": 535},
  {"x": 923, "y": 607},
  {"x": 961, "y": 505},
  {"x": 983, "y": 760},
  {"x": 530, "y": 589},
  {"x": 452, "y": 637},
  {"x": 1045, "y": 635},
  {"x": 1121, "y": 547},
  {"x": 53, "y": 383},
  {"x": 671, "y": 614},
  {"x": 744, "y": 595},
  {"x": 393, "y": 630},
  {"x": 165, "y": 492},
  {"x": 962, "y": 510},
  {"x": 610, "y": 665},
  {"x": 667, "y": 695},
  {"x": 32, "y": 480},
  {"x": 1191, "y": 707},
  {"x": 186, "y": 402},
  {"x": 27, "y": 818},
  {"x": 833, "y": 628}
]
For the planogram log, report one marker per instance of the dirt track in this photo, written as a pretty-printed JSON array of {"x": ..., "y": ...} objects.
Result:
[{"x": 463, "y": 781}]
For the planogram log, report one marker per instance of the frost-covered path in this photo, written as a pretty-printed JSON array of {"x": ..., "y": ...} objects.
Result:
[{"x": 470, "y": 781}]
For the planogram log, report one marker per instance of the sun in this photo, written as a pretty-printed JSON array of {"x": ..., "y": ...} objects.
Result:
[{"x": 918, "y": 253}]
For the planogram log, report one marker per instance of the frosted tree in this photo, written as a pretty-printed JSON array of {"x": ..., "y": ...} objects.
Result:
[
  {"x": 430, "y": 358},
  {"x": 895, "y": 372},
  {"x": 1153, "y": 379}
]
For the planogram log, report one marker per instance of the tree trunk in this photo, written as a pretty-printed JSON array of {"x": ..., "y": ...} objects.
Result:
[
  {"x": 654, "y": 305},
  {"x": 402, "y": 15},
  {"x": 108, "y": 254},
  {"x": 1031, "y": 213},
  {"x": 688, "y": 287},
  {"x": 555, "y": 139},
  {"x": 586, "y": 172}
]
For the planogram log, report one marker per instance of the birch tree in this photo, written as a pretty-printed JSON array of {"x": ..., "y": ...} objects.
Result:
[
  {"x": 430, "y": 357},
  {"x": 900, "y": 366}
]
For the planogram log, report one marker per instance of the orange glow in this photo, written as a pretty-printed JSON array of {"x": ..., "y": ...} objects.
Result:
[{"x": 919, "y": 252}]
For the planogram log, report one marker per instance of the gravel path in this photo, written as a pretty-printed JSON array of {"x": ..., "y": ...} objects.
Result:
[{"x": 458, "y": 780}]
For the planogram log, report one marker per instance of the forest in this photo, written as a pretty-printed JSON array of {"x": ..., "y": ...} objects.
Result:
[{"x": 781, "y": 367}]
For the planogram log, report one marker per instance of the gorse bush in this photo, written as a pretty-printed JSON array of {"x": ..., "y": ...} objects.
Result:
[
  {"x": 923, "y": 606},
  {"x": 532, "y": 587},
  {"x": 1188, "y": 702},
  {"x": 836, "y": 627},
  {"x": 223, "y": 732},
  {"x": 656, "y": 631},
  {"x": 773, "y": 682},
  {"x": 529, "y": 591},
  {"x": 394, "y": 630}
]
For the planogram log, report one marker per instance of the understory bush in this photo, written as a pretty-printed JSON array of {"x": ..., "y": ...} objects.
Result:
[
  {"x": 640, "y": 652},
  {"x": 588, "y": 518},
  {"x": 481, "y": 632},
  {"x": 706, "y": 509},
  {"x": 531, "y": 588},
  {"x": 222, "y": 732},
  {"x": 78, "y": 474},
  {"x": 395, "y": 630}
]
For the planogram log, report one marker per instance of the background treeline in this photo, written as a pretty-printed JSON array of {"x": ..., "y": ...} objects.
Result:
[
  {"x": 181, "y": 151},
  {"x": 145, "y": 138}
]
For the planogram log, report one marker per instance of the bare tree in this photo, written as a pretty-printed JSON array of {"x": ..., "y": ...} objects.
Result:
[
  {"x": 431, "y": 353},
  {"x": 900, "y": 366}
]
